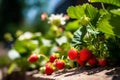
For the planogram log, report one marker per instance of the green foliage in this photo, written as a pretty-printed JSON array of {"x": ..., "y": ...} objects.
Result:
[
  {"x": 78, "y": 37},
  {"x": 113, "y": 2},
  {"x": 25, "y": 46},
  {"x": 72, "y": 26},
  {"x": 76, "y": 12},
  {"x": 102, "y": 26},
  {"x": 109, "y": 24}
]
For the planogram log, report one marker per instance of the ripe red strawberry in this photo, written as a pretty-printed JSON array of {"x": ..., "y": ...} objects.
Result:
[
  {"x": 85, "y": 55},
  {"x": 103, "y": 62},
  {"x": 49, "y": 69},
  {"x": 92, "y": 61},
  {"x": 52, "y": 58},
  {"x": 81, "y": 63},
  {"x": 72, "y": 54},
  {"x": 33, "y": 58},
  {"x": 60, "y": 64}
]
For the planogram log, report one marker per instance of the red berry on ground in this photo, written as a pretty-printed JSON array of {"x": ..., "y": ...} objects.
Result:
[
  {"x": 81, "y": 63},
  {"x": 85, "y": 55},
  {"x": 92, "y": 61},
  {"x": 72, "y": 54},
  {"x": 103, "y": 62},
  {"x": 49, "y": 70},
  {"x": 52, "y": 58},
  {"x": 60, "y": 64},
  {"x": 33, "y": 58}
]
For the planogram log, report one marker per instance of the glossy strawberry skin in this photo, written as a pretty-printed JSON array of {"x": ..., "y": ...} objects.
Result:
[
  {"x": 60, "y": 64},
  {"x": 33, "y": 58},
  {"x": 92, "y": 61},
  {"x": 72, "y": 54},
  {"x": 81, "y": 63},
  {"x": 85, "y": 55},
  {"x": 52, "y": 58},
  {"x": 49, "y": 70},
  {"x": 103, "y": 62}
]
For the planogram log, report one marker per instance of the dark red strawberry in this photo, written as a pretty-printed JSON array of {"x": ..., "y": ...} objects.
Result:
[
  {"x": 103, "y": 62},
  {"x": 72, "y": 54},
  {"x": 52, "y": 58},
  {"x": 81, "y": 63},
  {"x": 33, "y": 58},
  {"x": 85, "y": 55},
  {"x": 60, "y": 64},
  {"x": 49, "y": 69},
  {"x": 92, "y": 61}
]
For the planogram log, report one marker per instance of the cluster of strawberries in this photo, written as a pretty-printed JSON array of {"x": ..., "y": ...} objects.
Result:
[
  {"x": 51, "y": 65},
  {"x": 86, "y": 56},
  {"x": 82, "y": 57}
]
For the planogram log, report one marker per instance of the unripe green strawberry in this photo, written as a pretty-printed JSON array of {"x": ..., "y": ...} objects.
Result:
[
  {"x": 72, "y": 54},
  {"x": 92, "y": 61},
  {"x": 85, "y": 55},
  {"x": 42, "y": 69},
  {"x": 85, "y": 20},
  {"x": 33, "y": 58},
  {"x": 103, "y": 62},
  {"x": 60, "y": 64}
]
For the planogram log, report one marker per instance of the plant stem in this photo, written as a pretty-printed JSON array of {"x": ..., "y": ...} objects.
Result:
[{"x": 103, "y": 6}]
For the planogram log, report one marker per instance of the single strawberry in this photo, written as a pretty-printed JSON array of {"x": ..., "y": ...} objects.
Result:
[
  {"x": 49, "y": 69},
  {"x": 92, "y": 61},
  {"x": 103, "y": 62},
  {"x": 60, "y": 64},
  {"x": 85, "y": 55},
  {"x": 42, "y": 69},
  {"x": 72, "y": 54},
  {"x": 33, "y": 58},
  {"x": 52, "y": 58},
  {"x": 81, "y": 63}
]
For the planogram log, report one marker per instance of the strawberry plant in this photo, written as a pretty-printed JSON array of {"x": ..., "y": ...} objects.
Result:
[
  {"x": 91, "y": 38},
  {"x": 36, "y": 50},
  {"x": 98, "y": 31}
]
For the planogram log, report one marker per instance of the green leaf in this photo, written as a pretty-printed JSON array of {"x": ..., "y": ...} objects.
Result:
[
  {"x": 92, "y": 13},
  {"x": 109, "y": 24},
  {"x": 78, "y": 36},
  {"x": 45, "y": 50},
  {"x": 31, "y": 45},
  {"x": 104, "y": 25},
  {"x": 115, "y": 11},
  {"x": 72, "y": 26},
  {"x": 20, "y": 46},
  {"x": 115, "y": 23},
  {"x": 113, "y": 2},
  {"x": 76, "y": 12}
]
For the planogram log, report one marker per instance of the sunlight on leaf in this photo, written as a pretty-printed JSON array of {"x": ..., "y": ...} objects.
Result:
[{"x": 113, "y": 2}]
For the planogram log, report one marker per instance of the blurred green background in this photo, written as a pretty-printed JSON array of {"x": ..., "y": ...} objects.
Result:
[{"x": 25, "y": 14}]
